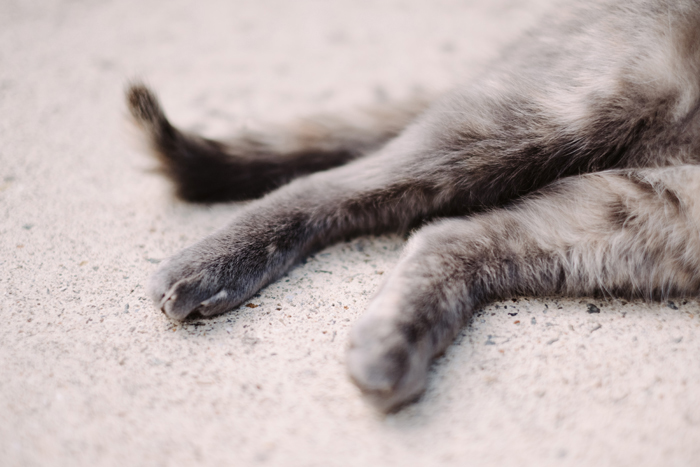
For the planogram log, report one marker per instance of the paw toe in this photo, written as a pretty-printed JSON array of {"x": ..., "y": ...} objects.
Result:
[{"x": 219, "y": 303}]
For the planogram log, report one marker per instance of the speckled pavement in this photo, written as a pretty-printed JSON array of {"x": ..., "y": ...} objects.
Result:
[{"x": 92, "y": 374}]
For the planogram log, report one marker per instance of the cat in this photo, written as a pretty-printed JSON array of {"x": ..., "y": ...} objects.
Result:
[{"x": 564, "y": 168}]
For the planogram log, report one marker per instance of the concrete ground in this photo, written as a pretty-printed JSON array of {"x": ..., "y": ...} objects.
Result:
[{"x": 92, "y": 374}]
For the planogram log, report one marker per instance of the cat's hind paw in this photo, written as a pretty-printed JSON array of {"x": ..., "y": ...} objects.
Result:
[{"x": 389, "y": 370}]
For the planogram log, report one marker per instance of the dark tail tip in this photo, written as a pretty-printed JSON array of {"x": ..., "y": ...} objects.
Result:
[{"x": 145, "y": 108}]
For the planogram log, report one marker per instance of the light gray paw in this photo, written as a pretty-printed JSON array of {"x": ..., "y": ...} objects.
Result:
[{"x": 389, "y": 370}]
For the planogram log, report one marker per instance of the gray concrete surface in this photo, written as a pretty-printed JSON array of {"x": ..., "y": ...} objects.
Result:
[{"x": 91, "y": 374}]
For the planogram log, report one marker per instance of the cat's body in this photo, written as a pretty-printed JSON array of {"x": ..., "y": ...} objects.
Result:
[{"x": 602, "y": 85}]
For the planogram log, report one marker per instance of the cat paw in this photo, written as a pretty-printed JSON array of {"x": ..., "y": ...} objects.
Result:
[
  {"x": 201, "y": 279},
  {"x": 199, "y": 292},
  {"x": 390, "y": 371}
]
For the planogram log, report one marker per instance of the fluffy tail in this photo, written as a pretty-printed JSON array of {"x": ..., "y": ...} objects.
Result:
[{"x": 253, "y": 164}]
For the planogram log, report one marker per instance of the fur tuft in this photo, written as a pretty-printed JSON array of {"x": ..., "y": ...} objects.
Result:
[{"x": 145, "y": 108}]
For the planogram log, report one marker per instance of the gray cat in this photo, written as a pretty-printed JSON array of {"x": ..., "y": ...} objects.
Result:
[{"x": 562, "y": 169}]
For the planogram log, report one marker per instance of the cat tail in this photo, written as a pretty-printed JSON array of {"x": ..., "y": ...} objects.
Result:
[{"x": 255, "y": 163}]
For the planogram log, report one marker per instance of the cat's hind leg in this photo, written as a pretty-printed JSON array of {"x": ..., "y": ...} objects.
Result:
[
  {"x": 619, "y": 233},
  {"x": 254, "y": 163}
]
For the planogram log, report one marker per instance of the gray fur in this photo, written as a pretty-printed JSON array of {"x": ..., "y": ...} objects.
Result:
[{"x": 611, "y": 87}]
